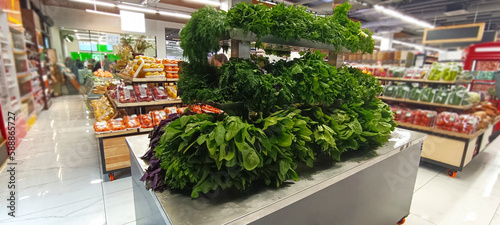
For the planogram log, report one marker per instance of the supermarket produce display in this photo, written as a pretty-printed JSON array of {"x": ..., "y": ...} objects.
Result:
[{"x": 266, "y": 136}]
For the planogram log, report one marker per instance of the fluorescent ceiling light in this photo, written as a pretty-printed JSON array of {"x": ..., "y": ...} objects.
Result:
[
  {"x": 208, "y": 2},
  {"x": 102, "y": 13},
  {"x": 401, "y": 16},
  {"x": 137, "y": 9},
  {"x": 412, "y": 45},
  {"x": 180, "y": 15},
  {"x": 95, "y": 2}
]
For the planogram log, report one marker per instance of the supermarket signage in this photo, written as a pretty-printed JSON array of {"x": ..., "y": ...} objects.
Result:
[
  {"x": 456, "y": 33},
  {"x": 133, "y": 21},
  {"x": 113, "y": 39}
]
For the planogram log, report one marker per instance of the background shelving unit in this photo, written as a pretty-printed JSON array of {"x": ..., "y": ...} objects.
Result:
[{"x": 451, "y": 150}]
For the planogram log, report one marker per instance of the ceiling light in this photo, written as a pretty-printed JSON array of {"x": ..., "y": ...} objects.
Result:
[
  {"x": 95, "y": 2},
  {"x": 102, "y": 13},
  {"x": 208, "y": 2},
  {"x": 401, "y": 16},
  {"x": 137, "y": 9},
  {"x": 180, "y": 15}
]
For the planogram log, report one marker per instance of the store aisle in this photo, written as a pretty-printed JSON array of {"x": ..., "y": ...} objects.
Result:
[
  {"x": 58, "y": 176},
  {"x": 59, "y": 180},
  {"x": 473, "y": 197}
]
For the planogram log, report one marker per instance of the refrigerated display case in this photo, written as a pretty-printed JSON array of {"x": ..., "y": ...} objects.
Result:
[{"x": 483, "y": 61}]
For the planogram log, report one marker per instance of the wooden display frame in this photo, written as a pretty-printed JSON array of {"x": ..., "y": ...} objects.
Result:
[
  {"x": 458, "y": 107},
  {"x": 400, "y": 79},
  {"x": 477, "y": 38}
]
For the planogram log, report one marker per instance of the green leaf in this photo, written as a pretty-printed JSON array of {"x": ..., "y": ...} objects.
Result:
[
  {"x": 284, "y": 140},
  {"x": 269, "y": 121},
  {"x": 219, "y": 134},
  {"x": 250, "y": 157}
]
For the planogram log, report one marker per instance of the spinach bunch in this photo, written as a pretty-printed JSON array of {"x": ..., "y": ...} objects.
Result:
[{"x": 251, "y": 18}]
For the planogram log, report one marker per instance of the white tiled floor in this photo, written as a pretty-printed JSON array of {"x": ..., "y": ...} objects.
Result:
[{"x": 60, "y": 180}]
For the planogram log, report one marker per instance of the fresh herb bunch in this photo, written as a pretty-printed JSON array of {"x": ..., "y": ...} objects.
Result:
[
  {"x": 251, "y": 18},
  {"x": 202, "y": 33}
]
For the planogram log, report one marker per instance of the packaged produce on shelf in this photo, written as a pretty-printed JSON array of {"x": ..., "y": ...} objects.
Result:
[
  {"x": 425, "y": 118},
  {"x": 380, "y": 71},
  {"x": 474, "y": 97},
  {"x": 408, "y": 116},
  {"x": 441, "y": 96},
  {"x": 142, "y": 93},
  {"x": 436, "y": 71},
  {"x": 132, "y": 122},
  {"x": 415, "y": 73},
  {"x": 101, "y": 73},
  {"x": 209, "y": 109},
  {"x": 485, "y": 120},
  {"x": 488, "y": 108},
  {"x": 459, "y": 96},
  {"x": 117, "y": 125},
  {"x": 159, "y": 93},
  {"x": 402, "y": 91},
  {"x": 467, "y": 124},
  {"x": 181, "y": 110},
  {"x": 158, "y": 115},
  {"x": 390, "y": 90},
  {"x": 446, "y": 120},
  {"x": 103, "y": 110},
  {"x": 101, "y": 127},
  {"x": 126, "y": 95},
  {"x": 414, "y": 93},
  {"x": 450, "y": 72},
  {"x": 465, "y": 76},
  {"x": 195, "y": 108},
  {"x": 397, "y": 71},
  {"x": 427, "y": 94},
  {"x": 484, "y": 75},
  {"x": 146, "y": 121},
  {"x": 172, "y": 91},
  {"x": 398, "y": 112},
  {"x": 170, "y": 110}
]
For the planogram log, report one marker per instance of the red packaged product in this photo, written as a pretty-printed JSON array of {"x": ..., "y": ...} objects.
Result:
[
  {"x": 117, "y": 124},
  {"x": 159, "y": 93},
  {"x": 425, "y": 118},
  {"x": 408, "y": 116},
  {"x": 132, "y": 122},
  {"x": 466, "y": 124},
  {"x": 146, "y": 121},
  {"x": 158, "y": 116},
  {"x": 399, "y": 113},
  {"x": 195, "y": 108},
  {"x": 170, "y": 110},
  {"x": 126, "y": 96},
  {"x": 143, "y": 93},
  {"x": 446, "y": 120},
  {"x": 101, "y": 127}
]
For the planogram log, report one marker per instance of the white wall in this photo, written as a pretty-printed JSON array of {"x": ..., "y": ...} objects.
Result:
[{"x": 80, "y": 19}]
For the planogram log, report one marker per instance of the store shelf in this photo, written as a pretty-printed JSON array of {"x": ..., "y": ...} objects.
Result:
[
  {"x": 113, "y": 134},
  {"x": 19, "y": 51},
  {"x": 151, "y": 103},
  {"x": 171, "y": 65},
  {"x": 147, "y": 80},
  {"x": 29, "y": 42},
  {"x": 172, "y": 72},
  {"x": 434, "y": 130},
  {"x": 422, "y": 80},
  {"x": 459, "y": 107},
  {"x": 144, "y": 130},
  {"x": 23, "y": 74}
]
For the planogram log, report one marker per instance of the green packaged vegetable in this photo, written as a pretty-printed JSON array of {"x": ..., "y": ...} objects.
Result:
[
  {"x": 436, "y": 70},
  {"x": 450, "y": 72},
  {"x": 402, "y": 91},
  {"x": 465, "y": 76},
  {"x": 415, "y": 93},
  {"x": 441, "y": 96},
  {"x": 459, "y": 96},
  {"x": 390, "y": 91},
  {"x": 427, "y": 94}
]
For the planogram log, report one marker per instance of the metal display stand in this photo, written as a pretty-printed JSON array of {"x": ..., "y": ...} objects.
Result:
[{"x": 375, "y": 188}]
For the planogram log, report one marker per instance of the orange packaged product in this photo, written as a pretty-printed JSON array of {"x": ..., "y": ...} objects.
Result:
[
  {"x": 101, "y": 127},
  {"x": 146, "y": 121},
  {"x": 180, "y": 110},
  {"x": 117, "y": 125},
  {"x": 158, "y": 116},
  {"x": 132, "y": 122},
  {"x": 170, "y": 110},
  {"x": 195, "y": 108}
]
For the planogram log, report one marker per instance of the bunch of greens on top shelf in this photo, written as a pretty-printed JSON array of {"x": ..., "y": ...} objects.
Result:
[
  {"x": 202, "y": 33},
  {"x": 251, "y": 18}
]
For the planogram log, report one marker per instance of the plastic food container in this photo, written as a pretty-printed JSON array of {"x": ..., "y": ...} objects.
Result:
[
  {"x": 143, "y": 93},
  {"x": 158, "y": 116},
  {"x": 117, "y": 125},
  {"x": 132, "y": 122},
  {"x": 446, "y": 120},
  {"x": 159, "y": 93},
  {"x": 425, "y": 118},
  {"x": 170, "y": 110},
  {"x": 146, "y": 121},
  {"x": 101, "y": 127}
]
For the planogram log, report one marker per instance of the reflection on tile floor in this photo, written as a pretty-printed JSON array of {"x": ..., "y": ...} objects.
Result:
[{"x": 60, "y": 180}]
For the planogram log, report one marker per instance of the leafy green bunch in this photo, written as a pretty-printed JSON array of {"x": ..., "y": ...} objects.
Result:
[
  {"x": 251, "y": 18},
  {"x": 202, "y": 33}
]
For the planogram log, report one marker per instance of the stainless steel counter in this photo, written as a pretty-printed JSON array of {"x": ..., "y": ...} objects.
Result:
[{"x": 386, "y": 176}]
